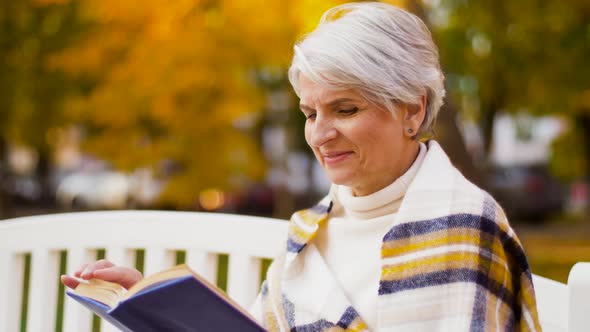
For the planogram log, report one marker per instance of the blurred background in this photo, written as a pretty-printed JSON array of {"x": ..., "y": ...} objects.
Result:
[{"x": 185, "y": 105}]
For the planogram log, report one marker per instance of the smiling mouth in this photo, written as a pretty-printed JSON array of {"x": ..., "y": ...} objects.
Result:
[{"x": 335, "y": 158}]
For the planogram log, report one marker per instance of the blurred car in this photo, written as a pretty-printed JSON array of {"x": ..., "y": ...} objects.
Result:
[
  {"x": 22, "y": 189},
  {"x": 527, "y": 192},
  {"x": 94, "y": 190},
  {"x": 144, "y": 188},
  {"x": 108, "y": 189}
]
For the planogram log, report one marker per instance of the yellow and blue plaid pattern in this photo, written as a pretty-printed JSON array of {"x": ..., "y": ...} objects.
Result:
[{"x": 450, "y": 262}]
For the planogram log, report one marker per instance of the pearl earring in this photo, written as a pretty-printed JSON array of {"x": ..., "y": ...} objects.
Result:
[{"x": 410, "y": 130}]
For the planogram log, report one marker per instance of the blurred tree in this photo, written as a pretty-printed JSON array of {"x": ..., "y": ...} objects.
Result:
[
  {"x": 574, "y": 165},
  {"x": 446, "y": 128},
  {"x": 177, "y": 81},
  {"x": 517, "y": 55},
  {"x": 156, "y": 83},
  {"x": 31, "y": 93}
]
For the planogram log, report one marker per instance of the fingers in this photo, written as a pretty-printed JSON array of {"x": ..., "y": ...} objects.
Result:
[
  {"x": 88, "y": 271},
  {"x": 123, "y": 276},
  {"x": 104, "y": 270},
  {"x": 69, "y": 281},
  {"x": 80, "y": 269}
]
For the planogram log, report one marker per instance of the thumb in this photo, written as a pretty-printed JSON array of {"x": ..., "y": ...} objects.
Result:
[{"x": 69, "y": 281}]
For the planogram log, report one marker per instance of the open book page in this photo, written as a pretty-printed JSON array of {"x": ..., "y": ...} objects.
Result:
[
  {"x": 111, "y": 293},
  {"x": 105, "y": 292}
]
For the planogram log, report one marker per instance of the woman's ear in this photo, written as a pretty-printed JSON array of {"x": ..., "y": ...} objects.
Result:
[{"x": 413, "y": 117}]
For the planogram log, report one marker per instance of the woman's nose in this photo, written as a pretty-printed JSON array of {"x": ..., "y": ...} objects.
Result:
[{"x": 322, "y": 131}]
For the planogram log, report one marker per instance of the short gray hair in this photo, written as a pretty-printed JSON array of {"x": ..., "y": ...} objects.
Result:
[{"x": 382, "y": 51}]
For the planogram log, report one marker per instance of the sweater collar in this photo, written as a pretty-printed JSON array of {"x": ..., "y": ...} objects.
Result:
[
  {"x": 305, "y": 223},
  {"x": 380, "y": 203}
]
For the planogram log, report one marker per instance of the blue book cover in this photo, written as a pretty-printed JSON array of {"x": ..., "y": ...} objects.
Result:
[{"x": 181, "y": 304}]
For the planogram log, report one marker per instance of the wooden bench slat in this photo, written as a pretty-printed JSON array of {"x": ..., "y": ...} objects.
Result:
[
  {"x": 243, "y": 278},
  {"x": 204, "y": 263},
  {"x": 12, "y": 267},
  {"x": 43, "y": 289},
  {"x": 119, "y": 256},
  {"x": 157, "y": 259},
  {"x": 76, "y": 317}
]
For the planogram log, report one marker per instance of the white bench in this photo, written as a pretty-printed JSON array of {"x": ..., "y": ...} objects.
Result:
[{"x": 202, "y": 236}]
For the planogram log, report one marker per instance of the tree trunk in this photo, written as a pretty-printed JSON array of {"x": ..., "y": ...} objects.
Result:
[
  {"x": 583, "y": 120},
  {"x": 43, "y": 174},
  {"x": 486, "y": 124},
  {"x": 4, "y": 201},
  {"x": 447, "y": 133},
  {"x": 447, "y": 129}
]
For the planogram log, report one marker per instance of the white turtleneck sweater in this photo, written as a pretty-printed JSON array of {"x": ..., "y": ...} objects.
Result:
[{"x": 350, "y": 241}]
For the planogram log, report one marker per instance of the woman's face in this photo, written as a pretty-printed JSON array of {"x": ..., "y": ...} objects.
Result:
[{"x": 358, "y": 144}]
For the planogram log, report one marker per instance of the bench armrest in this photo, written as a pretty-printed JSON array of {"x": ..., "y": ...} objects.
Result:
[{"x": 579, "y": 297}]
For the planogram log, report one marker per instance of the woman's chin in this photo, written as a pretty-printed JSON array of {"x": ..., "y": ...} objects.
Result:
[{"x": 341, "y": 178}]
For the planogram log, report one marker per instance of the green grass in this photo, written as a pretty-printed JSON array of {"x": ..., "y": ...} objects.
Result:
[
  {"x": 554, "y": 259},
  {"x": 553, "y": 252},
  {"x": 25, "y": 303},
  {"x": 63, "y": 261}
]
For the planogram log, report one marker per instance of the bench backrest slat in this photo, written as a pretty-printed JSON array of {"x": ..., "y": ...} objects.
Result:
[
  {"x": 76, "y": 317},
  {"x": 243, "y": 278},
  {"x": 43, "y": 288},
  {"x": 12, "y": 266},
  {"x": 204, "y": 263}
]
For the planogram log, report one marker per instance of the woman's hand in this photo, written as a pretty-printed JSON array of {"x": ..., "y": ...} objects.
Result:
[{"x": 104, "y": 270}]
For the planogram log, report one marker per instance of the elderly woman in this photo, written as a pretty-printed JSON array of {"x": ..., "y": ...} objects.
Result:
[{"x": 403, "y": 241}]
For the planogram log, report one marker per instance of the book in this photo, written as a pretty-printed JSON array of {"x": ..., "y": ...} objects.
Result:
[{"x": 176, "y": 299}]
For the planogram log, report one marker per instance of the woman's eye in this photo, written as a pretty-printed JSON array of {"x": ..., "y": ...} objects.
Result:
[
  {"x": 310, "y": 116},
  {"x": 349, "y": 111}
]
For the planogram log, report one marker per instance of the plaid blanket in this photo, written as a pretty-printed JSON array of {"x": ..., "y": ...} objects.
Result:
[{"x": 451, "y": 262}]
